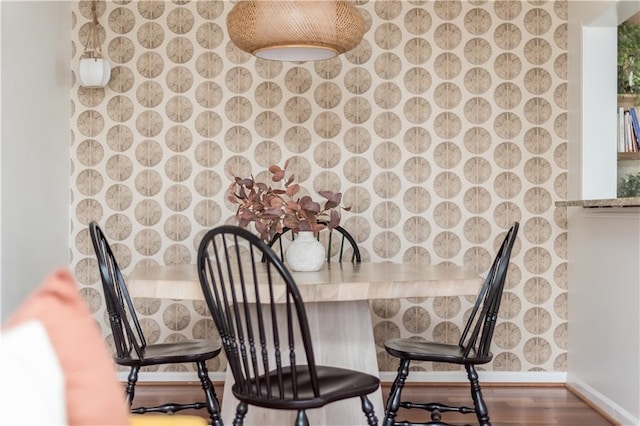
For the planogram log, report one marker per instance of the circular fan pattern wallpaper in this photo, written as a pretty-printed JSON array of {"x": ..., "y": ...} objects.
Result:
[{"x": 443, "y": 127}]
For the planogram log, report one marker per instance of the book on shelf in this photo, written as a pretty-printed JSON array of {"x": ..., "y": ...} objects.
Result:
[
  {"x": 636, "y": 127},
  {"x": 621, "y": 130},
  {"x": 628, "y": 130}
]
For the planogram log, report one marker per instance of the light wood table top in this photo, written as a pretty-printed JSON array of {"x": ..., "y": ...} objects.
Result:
[{"x": 334, "y": 282}]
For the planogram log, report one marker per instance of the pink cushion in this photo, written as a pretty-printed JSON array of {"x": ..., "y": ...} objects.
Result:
[{"x": 94, "y": 395}]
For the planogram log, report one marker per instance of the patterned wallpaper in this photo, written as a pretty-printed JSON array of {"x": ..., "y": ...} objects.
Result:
[{"x": 446, "y": 124}]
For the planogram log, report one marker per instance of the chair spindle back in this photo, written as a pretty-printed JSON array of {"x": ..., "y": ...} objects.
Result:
[
  {"x": 258, "y": 311},
  {"x": 119, "y": 304},
  {"x": 341, "y": 246},
  {"x": 478, "y": 331}
]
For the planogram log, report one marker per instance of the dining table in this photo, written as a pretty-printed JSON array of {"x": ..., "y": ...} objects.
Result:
[{"x": 337, "y": 301}]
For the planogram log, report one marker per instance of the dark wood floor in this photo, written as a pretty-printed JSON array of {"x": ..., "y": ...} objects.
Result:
[{"x": 508, "y": 405}]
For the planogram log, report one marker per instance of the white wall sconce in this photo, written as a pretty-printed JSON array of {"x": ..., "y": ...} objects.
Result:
[
  {"x": 93, "y": 70},
  {"x": 301, "y": 30}
]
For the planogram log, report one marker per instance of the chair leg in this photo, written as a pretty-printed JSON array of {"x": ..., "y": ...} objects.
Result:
[
  {"x": 369, "y": 411},
  {"x": 131, "y": 384},
  {"x": 393, "y": 403},
  {"x": 213, "y": 406},
  {"x": 241, "y": 411},
  {"x": 302, "y": 419},
  {"x": 476, "y": 393}
]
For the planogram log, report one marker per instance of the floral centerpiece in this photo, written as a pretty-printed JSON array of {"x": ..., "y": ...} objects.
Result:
[{"x": 272, "y": 209}]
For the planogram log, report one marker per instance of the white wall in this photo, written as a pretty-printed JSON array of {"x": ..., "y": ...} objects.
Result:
[
  {"x": 604, "y": 244},
  {"x": 604, "y": 312},
  {"x": 34, "y": 134}
]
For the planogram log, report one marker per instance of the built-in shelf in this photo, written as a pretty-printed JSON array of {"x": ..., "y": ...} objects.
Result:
[
  {"x": 629, "y": 156},
  {"x": 628, "y": 100}
]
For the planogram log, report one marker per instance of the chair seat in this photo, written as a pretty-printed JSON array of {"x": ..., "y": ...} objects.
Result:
[
  {"x": 174, "y": 352},
  {"x": 130, "y": 345},
  {"x": 421, "y": 350},
  {"x": 335, "y": 384},
  {"x": 472, "y": 348},
  {"x": 269, "y": 340}
]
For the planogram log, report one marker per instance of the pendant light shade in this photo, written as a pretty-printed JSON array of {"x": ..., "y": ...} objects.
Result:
[
  {"x": 302, "y": 30},
  {"x": 93, "y": 69}
]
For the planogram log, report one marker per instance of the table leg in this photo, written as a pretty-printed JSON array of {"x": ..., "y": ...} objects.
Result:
[{"x": 342, "y": 337}]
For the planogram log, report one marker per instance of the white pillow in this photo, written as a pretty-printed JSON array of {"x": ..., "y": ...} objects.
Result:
[{"x": 32, "y": 388}]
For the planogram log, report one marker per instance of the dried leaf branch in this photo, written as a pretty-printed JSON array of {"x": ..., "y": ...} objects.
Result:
[{"x": 273, "y": 209}]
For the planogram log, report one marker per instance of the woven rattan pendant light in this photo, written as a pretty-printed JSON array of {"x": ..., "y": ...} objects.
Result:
[{"x": 302, "y": 30}]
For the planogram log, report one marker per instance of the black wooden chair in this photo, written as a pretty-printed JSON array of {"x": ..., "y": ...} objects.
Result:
[
  {"x": 341, "y": 246},
  {"x": 131, "y": 347},
  {"x": 471, "y": 350},
  {"x": 267, "y": 341}
]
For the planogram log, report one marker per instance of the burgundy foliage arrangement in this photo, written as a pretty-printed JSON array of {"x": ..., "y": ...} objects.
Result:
[{"x": 271, "y": 209}]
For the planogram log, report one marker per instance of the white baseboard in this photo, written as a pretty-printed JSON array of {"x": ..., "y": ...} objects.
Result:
[
  {"x": 388, "y": 376},
  {"x": 610, "y": 408}
]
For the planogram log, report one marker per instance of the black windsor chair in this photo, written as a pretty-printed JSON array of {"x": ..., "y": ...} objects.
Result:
[
  {"x": 267, "y": 339},
  {"x": 341, "y": 245},
  {"x": 131, "y": 347},
  {"x": 472, "y": 349}
]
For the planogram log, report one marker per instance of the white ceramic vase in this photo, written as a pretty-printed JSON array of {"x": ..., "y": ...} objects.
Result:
[{"x": 305, "y": 253}]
